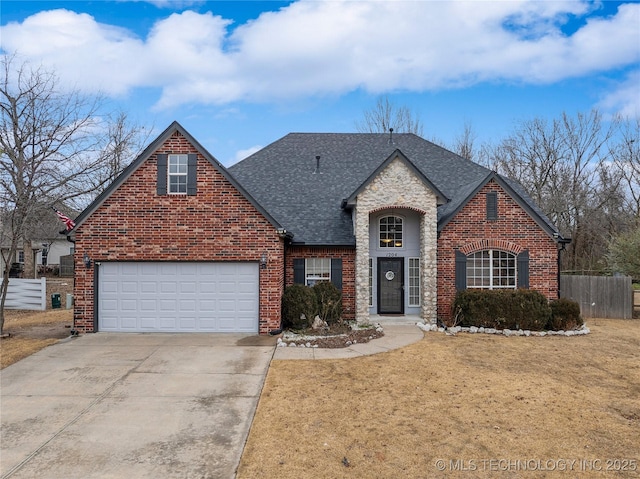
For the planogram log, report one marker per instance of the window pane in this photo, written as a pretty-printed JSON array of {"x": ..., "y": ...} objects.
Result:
[
  {"x": 414, "y": 281},
  {"x": 390, "y": 232},
  {"x": 177, "y": 173},
  {"x": 491, "y": 269},
  {"x": 317, "y": 269}
]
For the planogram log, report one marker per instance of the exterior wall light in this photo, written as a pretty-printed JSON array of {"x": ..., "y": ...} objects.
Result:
[
  {"x": 263, "y": 261},
  {"x": 86, "y": 260}
]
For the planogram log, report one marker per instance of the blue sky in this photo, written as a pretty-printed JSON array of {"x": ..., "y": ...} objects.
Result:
[{"x": 241, "y": 74}]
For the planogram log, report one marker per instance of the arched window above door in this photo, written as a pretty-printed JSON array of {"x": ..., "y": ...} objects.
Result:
[{"x": 391, "y": 231}]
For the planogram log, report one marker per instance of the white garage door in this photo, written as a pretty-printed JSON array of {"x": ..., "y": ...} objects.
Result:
[{"x": 178, "y": 297}]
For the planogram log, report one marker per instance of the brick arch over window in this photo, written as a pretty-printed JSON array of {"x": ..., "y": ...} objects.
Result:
[
  {"x": 522, "y": 260},
  {"x": 484, "y": 244},
  {"x": 397, "y": 207}
]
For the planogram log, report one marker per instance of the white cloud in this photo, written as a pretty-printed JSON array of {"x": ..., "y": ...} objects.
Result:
[
  {"x": 242, "y": 154},
  {"x": 624, "y": 98},
  {"x": 328, "y": 48}
]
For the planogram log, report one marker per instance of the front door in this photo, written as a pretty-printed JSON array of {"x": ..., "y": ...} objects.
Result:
[{"x": 390, "y": 285}]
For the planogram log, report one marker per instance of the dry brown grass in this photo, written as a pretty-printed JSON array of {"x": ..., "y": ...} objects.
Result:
[
  {"x": 30, "y": 331},
  {"x": 465, "y": 398}
]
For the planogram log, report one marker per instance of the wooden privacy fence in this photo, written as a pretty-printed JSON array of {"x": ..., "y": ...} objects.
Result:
[
  {"x": 27, "y": 294},
  {"x": 599, "y": 296},
  {"x": 66, "y": 265}
]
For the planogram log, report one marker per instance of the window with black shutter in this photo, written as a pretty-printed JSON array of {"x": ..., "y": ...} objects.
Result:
[{"x": 177, "y": 174}]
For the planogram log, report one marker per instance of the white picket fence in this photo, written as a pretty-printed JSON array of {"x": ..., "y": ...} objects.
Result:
[{"x": 26, "y": 294}]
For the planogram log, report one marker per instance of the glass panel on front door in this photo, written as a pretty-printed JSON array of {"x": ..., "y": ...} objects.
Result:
[{"x": 390, "y": 285}]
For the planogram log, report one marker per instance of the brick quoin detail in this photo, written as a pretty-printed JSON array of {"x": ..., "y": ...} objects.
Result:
[
  {"x": 514, "y": 231},
  {"x": 348, "y": 256},
  {"x": 216, "y": 224}
]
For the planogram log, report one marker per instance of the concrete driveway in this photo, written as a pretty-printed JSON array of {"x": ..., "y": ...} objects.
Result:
[{"x": 132, "y": 406}]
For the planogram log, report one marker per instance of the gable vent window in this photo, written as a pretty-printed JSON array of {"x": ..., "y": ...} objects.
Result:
[
  {"x": 391, "y": 232},
  {"x": 492, "y": 205}
]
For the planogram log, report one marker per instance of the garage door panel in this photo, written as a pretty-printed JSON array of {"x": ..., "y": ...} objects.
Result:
[
  {"x": 188, "y": 287},
  {"x": 129, "y": 305},
  {"x": 147, "y": 286},
  {"x": 207, "y": 306},
  {"x": 168, "y": 305},
  {"x": 177, "y": 297},
  {"x": 129, "y": 322},
  {"x": 169, "y": 286},
  {"x": 187, "y": 305},
  {"x": 148, "y": 305}
]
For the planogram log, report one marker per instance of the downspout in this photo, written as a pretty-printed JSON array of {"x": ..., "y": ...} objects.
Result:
[
  {"x": 561, "y": 247},
  {"x": 286, "y": 237}
]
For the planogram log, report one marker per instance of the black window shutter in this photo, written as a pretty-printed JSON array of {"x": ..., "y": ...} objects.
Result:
[
  {"x": 492, "y": 205},
  {"x": 336, "y": 272},
  {"x": 162, "y": 174},
  {"x": 298, "y": 271},
  {"x": 523, "y": 269},
  {"x": 191, "y": 174},
  {"x": 461, "y": 271}
]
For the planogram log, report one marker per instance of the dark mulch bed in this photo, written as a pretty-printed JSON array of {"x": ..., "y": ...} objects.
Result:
[{"x": 335, "y": 336}]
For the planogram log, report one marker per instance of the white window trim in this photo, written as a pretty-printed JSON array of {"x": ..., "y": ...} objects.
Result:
[
  {"x": 417, "y": 277},
  {"x": 491, "y": 271},
  {"x": 311, "y": 278},
  {"x": 185, "y": 158}
]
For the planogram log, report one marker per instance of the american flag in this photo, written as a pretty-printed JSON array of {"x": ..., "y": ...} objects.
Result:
[{"x": 68, "y": 222}]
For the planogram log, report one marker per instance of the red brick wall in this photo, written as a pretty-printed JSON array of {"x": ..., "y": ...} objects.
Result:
[
  {"x": 513, "y": 231},
  {"x": 348, "y": 256},
  {"x": 217, "y": 224}
]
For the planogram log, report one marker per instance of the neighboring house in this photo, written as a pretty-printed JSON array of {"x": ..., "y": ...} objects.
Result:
[
  {"x": 46, "y": 253},
  {"x": 180, "y": 243}
]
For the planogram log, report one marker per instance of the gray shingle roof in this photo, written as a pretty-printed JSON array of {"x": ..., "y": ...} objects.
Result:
[{"x": 282, "y": 178}]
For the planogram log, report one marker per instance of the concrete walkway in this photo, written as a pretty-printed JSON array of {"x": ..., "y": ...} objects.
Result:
[{"x": 397, "y": 334}]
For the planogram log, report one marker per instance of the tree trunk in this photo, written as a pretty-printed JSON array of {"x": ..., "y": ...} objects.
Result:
[{"x": 29, "y": 270}]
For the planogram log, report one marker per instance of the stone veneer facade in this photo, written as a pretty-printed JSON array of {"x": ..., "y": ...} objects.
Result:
[{"x": 397, "y": 187}]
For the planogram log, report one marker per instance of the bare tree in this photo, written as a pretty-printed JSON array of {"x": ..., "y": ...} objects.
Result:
[
  {"x": 464, "y": 143},
  {"x": 385, "y": 115},
  {"x": 563, "y": 166},
  {"x": 52, "y": 149},
  {"x": 626, "y": 159}
]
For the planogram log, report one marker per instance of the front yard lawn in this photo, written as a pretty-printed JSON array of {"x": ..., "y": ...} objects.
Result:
[
  {"x": 463, "y": 406},
  {"x": 30, "y": 331}
]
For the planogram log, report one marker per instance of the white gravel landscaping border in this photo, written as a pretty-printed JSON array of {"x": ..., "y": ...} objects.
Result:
[
  {"x": 289, "y": 336},
  {"x": 504, "y": 332}
]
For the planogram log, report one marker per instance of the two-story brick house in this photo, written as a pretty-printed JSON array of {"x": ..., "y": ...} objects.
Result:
[{"x": 180, "y": 243}]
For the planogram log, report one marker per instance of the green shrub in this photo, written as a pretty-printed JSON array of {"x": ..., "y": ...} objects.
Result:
[
  {"x": 503, "y": 309},
  {"x": 565, "y": 315},
  {"x": 329, "y": 300},
  {"x": 299, "y": 306}
]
